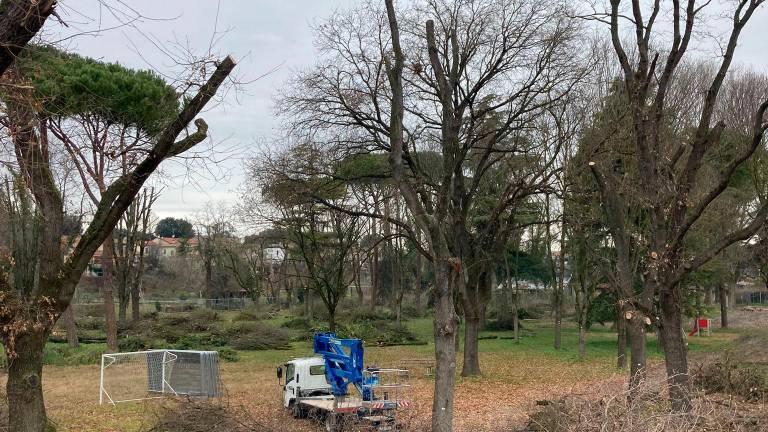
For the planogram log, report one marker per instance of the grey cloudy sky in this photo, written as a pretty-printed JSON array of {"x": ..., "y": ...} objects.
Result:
[{"x": 262, "y": 35}]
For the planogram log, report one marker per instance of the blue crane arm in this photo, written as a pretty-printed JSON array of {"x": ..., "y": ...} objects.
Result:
[{"x": 343, "y": 362}]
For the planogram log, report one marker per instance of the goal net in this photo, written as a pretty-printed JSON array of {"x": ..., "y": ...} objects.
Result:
[{"x": 141, "y": 375}]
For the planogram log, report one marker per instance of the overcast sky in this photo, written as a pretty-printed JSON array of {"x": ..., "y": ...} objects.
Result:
[{"x": 263, "y": 35}]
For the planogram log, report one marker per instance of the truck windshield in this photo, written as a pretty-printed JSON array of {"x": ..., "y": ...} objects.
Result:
[
  {"x": 290, "y": 372},
  {"x": 317, "y": 370}
]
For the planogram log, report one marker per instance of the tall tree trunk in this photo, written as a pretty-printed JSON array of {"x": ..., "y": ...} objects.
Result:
[
  {"x": 135, "y": 299},
  {"x": 515, "y": 311},
  {"x": 26, "y": 409},
  {"x": 109, "y": 302},
  {"x": 417, "y": 285},
  {"x": 122, "y": 299},
  {"x": 310, "y": 305},
  {"x": 472, "y": 306},
  {"x": 723, "y": 294},
  {"x": 621, "y": 341},
  {"x": 71, "y": 326},
  {"x": 332, "y": 321},
  {"x": 445, "y": 332},
  {"x": 635, "y": 327},
  {"x": 583, "y": 335},
  {"x": 675, "y": 351},
  {"x": 471, "y": 365},
  {"x": 560, "y": 289},
  {"x": 375, "y": 261}
]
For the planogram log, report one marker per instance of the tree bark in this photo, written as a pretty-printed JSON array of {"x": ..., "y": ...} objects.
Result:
[
  {"x": 472, "y": 307},
  {"x": 71, "y": 326},
  {"x": 445, "y": 347},
  {"x": 621, "y": 341},
  {"x": 583, "y": 339},
  {"x": 20, "y": 20},
  {"x": 636, "y": 336},
  {"x": 471, "y": 365},
  {"x": 675, "y": 351},
  {"x": 723, "y": 294},
  {"x": 106, "y": 286},
  {"x": 417, "y": 285},
  {"x": 26, "y": 409},
  {"x": 135, "y": 299}
]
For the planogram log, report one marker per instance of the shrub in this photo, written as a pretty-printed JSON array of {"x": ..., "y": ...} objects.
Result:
[
  {"x": 297, "y": 324},
  {"x": 132, "y": 343},
  {"x": 200, "y": 341},
  {"x": 229, "y": 355},
  {"x": 382, "y": 333},
  {"x": 410, "y": 311},
  {"x": 89, "y": 323},
  {"x": 366, "y": 314},
  {"x": 256, "y": 336},
  {"x": 63, "y": 355}
]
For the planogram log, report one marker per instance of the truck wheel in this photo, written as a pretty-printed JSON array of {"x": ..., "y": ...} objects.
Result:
[
  {"x": 333, "y": 422},
  {"x": 298, "y": 411}
]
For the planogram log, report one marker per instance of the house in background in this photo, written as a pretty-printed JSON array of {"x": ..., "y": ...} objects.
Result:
[{"x": 168, "y": 247}]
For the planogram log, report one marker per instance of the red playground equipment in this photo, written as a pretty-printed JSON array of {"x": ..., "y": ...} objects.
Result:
[{"x": 701, "y": 325}]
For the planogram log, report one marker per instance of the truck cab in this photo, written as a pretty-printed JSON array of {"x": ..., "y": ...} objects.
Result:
[{"x": 307, "y": 375}]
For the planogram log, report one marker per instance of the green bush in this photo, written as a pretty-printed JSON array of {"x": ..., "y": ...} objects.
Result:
[
  {"x": 229, "y": 355},
  {"x": 133, "y": 343},
  {"x": 602, "y": 309},
  {"x": 200, "y": 341},
  {"x": 63, "y": 355},
  {"x": 249, "y": 335},
  {"x": 366, "y": 314},
  {"x": 381, "y": 332},
  {"x": 506, "y": 323},
  {"x": 89, "y": 323},
  {"x": 297, "y": 323}
]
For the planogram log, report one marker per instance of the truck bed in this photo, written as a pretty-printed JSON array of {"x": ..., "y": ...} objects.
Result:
[{"x": 326, "y": 403}]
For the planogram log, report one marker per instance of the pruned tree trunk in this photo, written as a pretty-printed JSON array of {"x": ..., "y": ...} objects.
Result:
[
  {"x": 26, "y": 409},
  {"x": 621, "y": 341},
  {"x": 675, "y": 351},
  {"x": 635, "y": 327}
]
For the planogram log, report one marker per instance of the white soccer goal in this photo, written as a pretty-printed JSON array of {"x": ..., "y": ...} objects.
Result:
[{"x": 141, "y": 375}]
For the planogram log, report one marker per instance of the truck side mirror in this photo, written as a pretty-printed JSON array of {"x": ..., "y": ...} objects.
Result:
[{"x": 279, "y": 372}]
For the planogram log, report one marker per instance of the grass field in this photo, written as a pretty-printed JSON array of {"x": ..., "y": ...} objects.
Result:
[{"x": 515, "y": 375}]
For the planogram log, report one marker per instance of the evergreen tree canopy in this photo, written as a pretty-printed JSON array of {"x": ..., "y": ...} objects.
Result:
[
  {"x": 67, "y": 84},
  {"x": 172, "y": 227}
]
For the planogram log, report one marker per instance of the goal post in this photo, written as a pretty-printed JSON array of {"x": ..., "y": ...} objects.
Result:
[{"x": 141, "y": 375}]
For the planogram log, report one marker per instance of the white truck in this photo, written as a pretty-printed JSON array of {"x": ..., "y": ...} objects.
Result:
[{"x": 317, "y": 387}]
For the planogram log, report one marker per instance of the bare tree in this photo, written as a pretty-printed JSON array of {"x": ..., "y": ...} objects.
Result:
[
  {"x": 131, "y": 236},
  {"x": 668, "y": 183}
]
